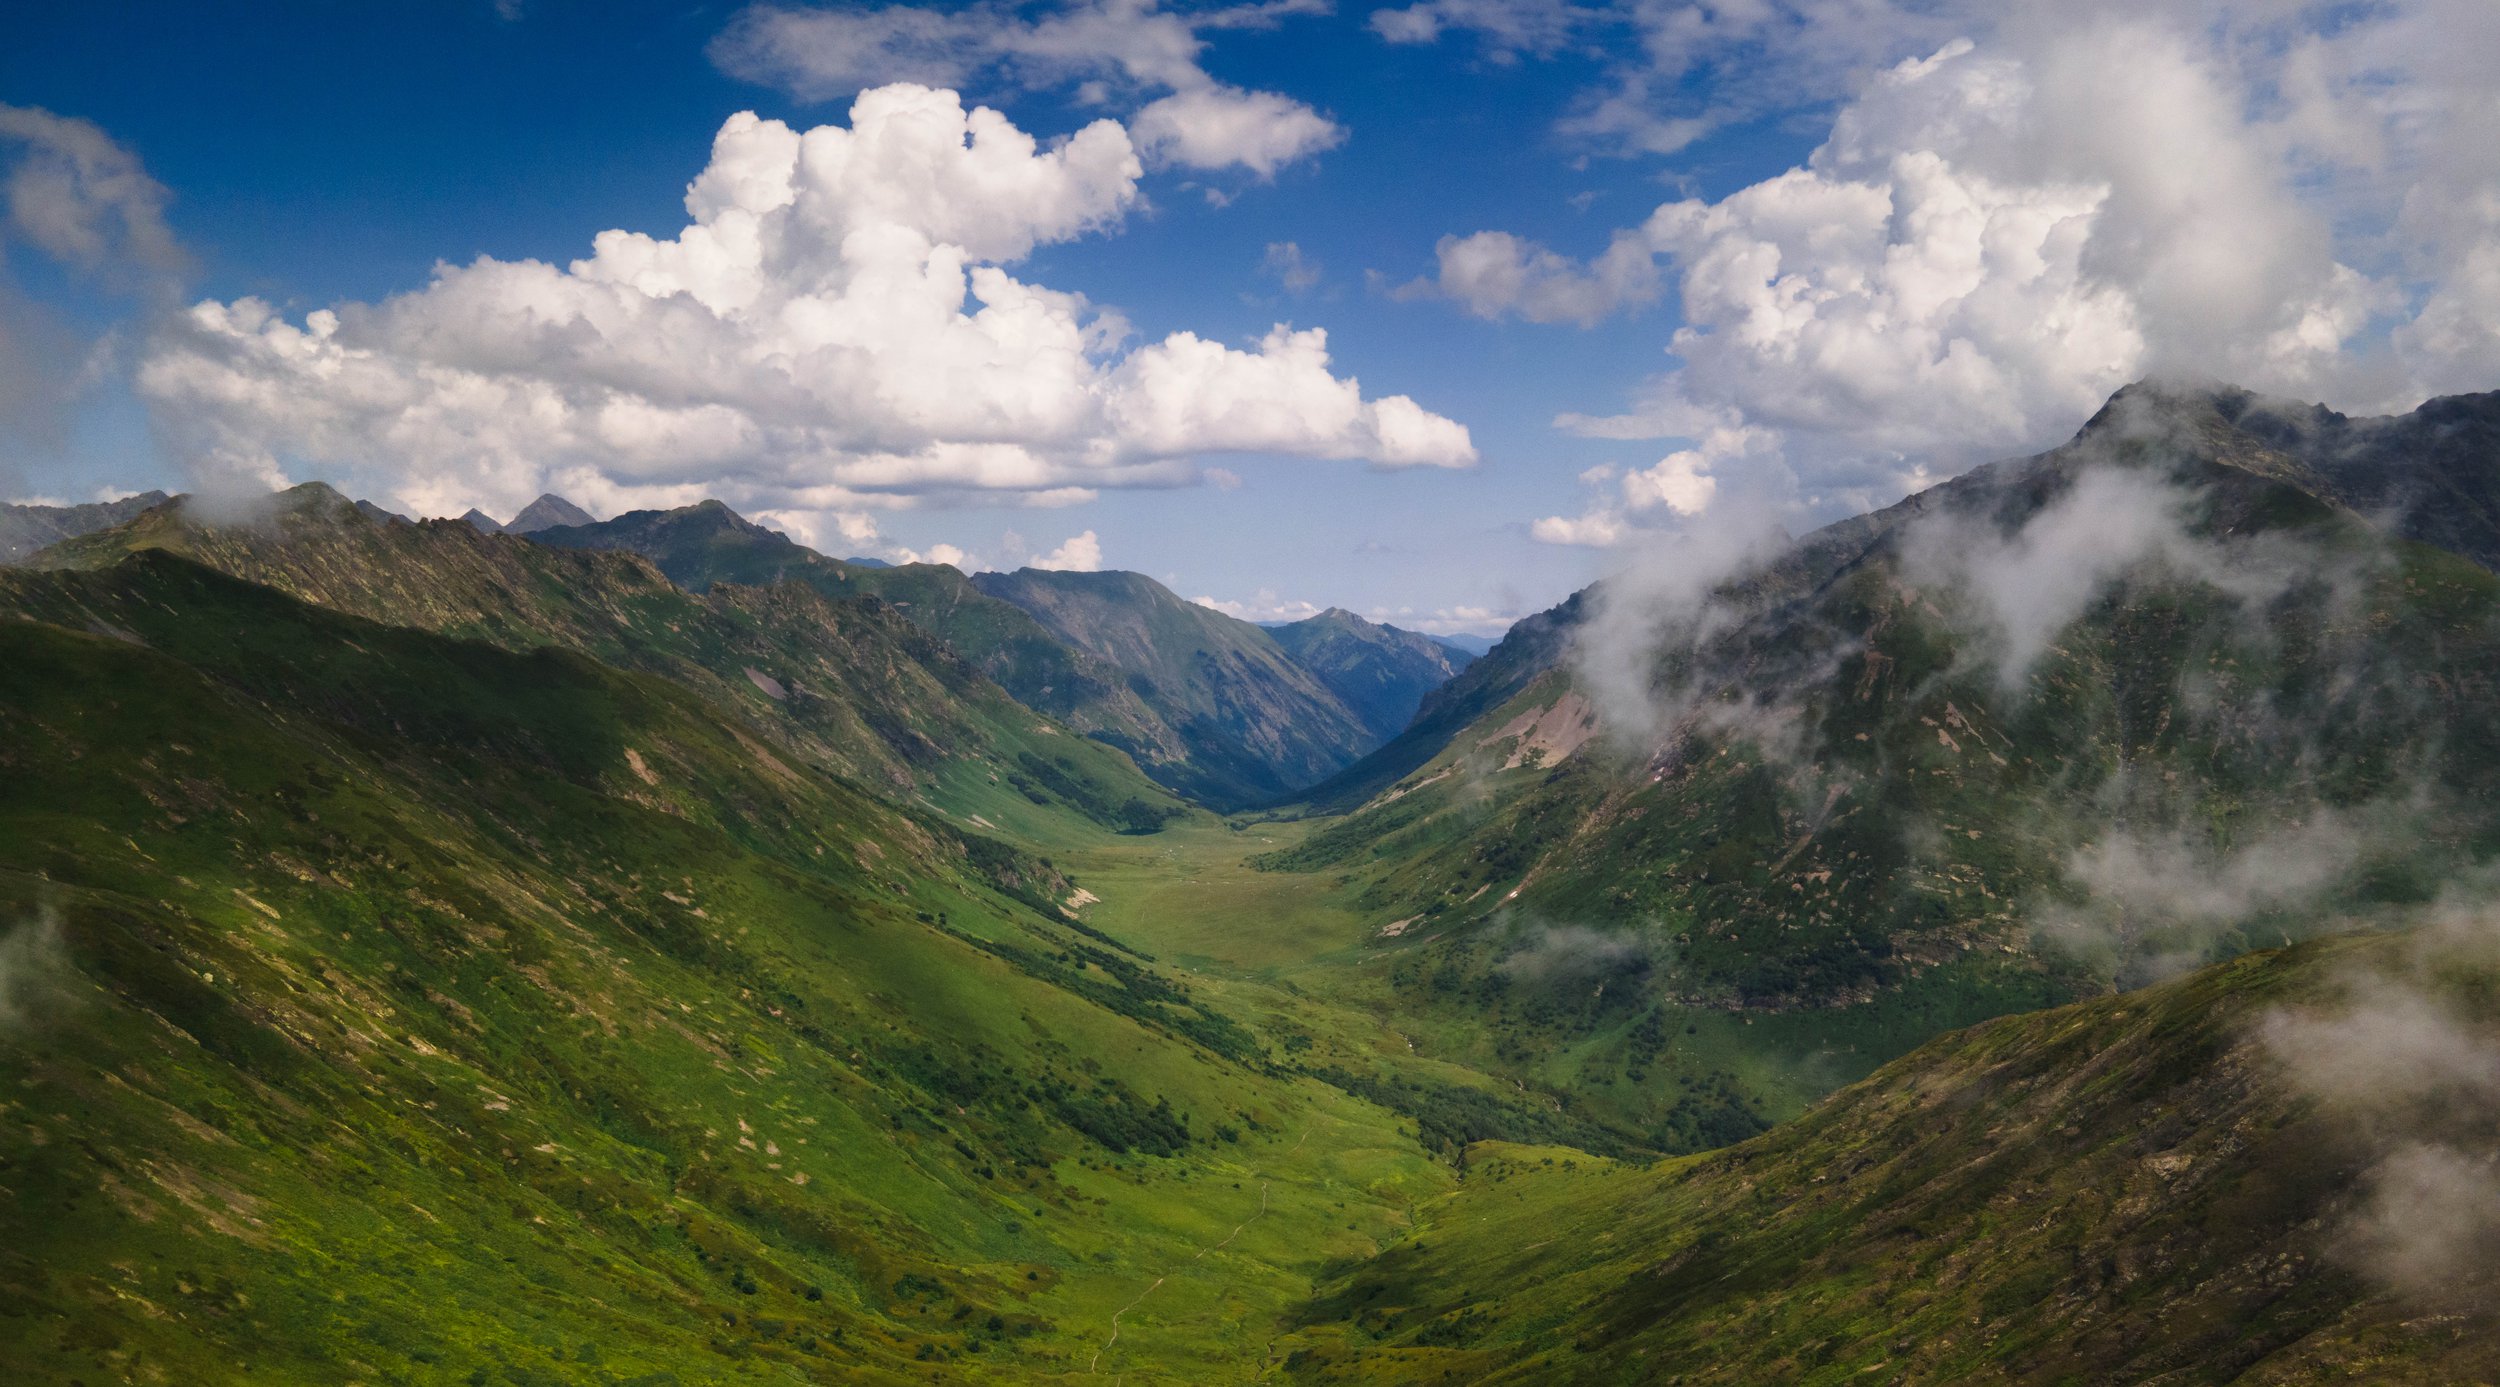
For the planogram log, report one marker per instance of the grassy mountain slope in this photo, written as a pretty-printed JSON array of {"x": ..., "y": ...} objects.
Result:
[
  {"x": 1380, "y": 672},
  {"x": 1531, "y": 647},
  {"x": 25, "y": 529},
  {"x": 384, "y": 1006},
  {"x": 1859, "y": 820},
  {"x": 846, "y": 685},
  {"x": 2127, "y": 1190},
  {"x": 700, "y": 545},
  {"x": 1259, "y": 726},
  {"x": 378, "y": 1004}
]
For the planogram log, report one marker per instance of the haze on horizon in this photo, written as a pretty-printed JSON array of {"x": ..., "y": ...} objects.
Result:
[{"x": 1432, "y": 311}]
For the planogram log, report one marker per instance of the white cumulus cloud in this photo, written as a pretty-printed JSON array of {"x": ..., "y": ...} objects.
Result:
[
  {"x": 1109, "y": 48},
  {"x": 835, "y": 329},
  {"x": 1217, "y": 126},
  {"x": 1494, "y": 274},
  {"x": 1266, "y": 606},
  {"x": 2002, "y": 229},
  {"x": 1286, "y": 263},
  {"x": 1082, "y": 553},
  {"x": 1678, "y": 487}
]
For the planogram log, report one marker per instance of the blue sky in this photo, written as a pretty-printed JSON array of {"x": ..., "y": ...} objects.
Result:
[{"x": 1890, "y": 251}]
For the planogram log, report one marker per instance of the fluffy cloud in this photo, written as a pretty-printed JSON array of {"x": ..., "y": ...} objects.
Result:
[
  {"x": 80, "y": 197},
  {"x": 1678, "y": 487},
  {"x": 2411, "y": 1076},
  {"x": 1460, "y": 620},
  {"x": 1999, "y": 233},
  {"x": 1266, "y": 606},
  {"x": 1081, "y": 554},
  {"x": 1187, "y": 394},
  {"x": 74, "y": 196},
  {"x": 35, "y": 970},
  {"x": 834, "y": 330},
  {"x": 1108, "y": 47},
  {"x": 1494, "y": 274},
  {"x": 1508, "y": 28},
  {"x": 1217, "y": 126},
  {"x": 946, "y": 554},
  {"x": 1270, "y": 607}
]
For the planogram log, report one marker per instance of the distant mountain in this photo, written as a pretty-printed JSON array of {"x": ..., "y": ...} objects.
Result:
[
  {"x": 842, "y": 684},
  {"x": 700, "y": 545},
  {"x": 1209, "y": 706},
  {"x": 547, "y": 511},
  {"x": 1258, "y": 725},
  {"x": 481, "y": 522},
  {"x": 1530, "y": 648},
  {"x": 856, "y": 561},
  {"x": 1470, "y": 646},
  {"x": 1380, "y": 672},
  {"x": 25, "y": 529}
]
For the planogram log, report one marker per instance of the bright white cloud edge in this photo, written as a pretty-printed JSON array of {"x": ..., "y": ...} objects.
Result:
[
  {"x": 834, "y": 332},
  {"x": 1999, "y": 233}
]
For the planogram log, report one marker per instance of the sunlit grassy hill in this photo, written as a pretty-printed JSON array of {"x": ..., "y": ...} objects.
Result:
[
  {"x": 429, "y": 955},
  {"x": 393, "y": 1007},
  {"x": 2136, "y": 1189}
]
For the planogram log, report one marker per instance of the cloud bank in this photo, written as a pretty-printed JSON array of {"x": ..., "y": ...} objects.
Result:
[
  {"x": 835, "y": 329},
  {"x": 1107, "y": 49},
  {"x": 2017, "y": 210}
]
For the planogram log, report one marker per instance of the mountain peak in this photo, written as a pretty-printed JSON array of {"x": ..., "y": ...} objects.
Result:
[
  {"x": 316, "y": 500},
  {"x": 547, "y": 512},
  {"x": 481, "y": 522}
]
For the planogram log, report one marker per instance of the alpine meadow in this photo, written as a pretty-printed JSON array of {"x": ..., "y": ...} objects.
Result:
[{"x": 1108, "y": 691}]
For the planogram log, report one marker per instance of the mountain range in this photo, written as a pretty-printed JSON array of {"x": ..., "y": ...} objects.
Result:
[
  {"x": 1215, "y": 707},
  {"x": 2034, "y": 932},
  {"x": 25, "y": 529}
]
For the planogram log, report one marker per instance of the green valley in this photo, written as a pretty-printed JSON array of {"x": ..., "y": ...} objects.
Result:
[{"x": 648, "y": 951}]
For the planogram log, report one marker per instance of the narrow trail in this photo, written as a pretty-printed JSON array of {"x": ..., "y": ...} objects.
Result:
[{"x": 1094, "y": 1365}]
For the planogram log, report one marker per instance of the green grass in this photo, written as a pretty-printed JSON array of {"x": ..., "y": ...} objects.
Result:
[
  {"x": 2119, "y": 1191},
  {"x": 404, "y": 1030},
  {"x": 478, "y": 977},
  {"x": 1190, "y": 893},
  {"x": 1757, "y": 926}
]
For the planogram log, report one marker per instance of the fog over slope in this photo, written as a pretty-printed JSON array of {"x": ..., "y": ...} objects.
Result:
[{"x": 2084, "y": 719}]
